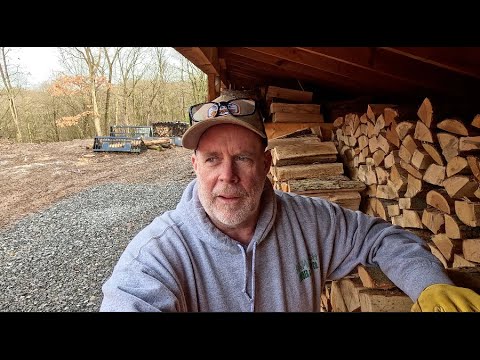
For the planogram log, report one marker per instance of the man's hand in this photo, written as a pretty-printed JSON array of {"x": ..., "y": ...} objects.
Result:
[{"x": 447, "y": 298}]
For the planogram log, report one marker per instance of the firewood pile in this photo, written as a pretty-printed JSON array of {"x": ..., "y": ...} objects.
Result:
[
  {"x": 304, "y": 159},
  {"x": 169, "y": 128},
  {"x": 421, "y": 168}
]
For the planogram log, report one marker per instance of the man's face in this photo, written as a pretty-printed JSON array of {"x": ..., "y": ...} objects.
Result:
[{"x": 231, "y": 168}]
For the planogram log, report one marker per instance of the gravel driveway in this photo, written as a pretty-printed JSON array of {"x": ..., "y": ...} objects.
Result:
[{"x": 57, "y": 259}]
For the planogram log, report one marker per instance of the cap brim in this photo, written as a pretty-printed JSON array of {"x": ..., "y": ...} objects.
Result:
[{"x": 192, "y": 135}]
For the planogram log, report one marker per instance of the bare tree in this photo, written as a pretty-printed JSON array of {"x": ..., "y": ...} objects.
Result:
[
  {"x": 74, "y": 59},
  {"x": 132, "y": 71},
  {"x": 110, "y": 61},
  {"x": 10, "y": 90}
]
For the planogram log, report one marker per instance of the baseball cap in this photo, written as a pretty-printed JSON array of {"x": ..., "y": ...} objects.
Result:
[{"x": 225, "y": 109}]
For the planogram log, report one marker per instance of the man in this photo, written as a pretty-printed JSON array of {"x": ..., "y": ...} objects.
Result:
[{"x": 235, "y": 244}]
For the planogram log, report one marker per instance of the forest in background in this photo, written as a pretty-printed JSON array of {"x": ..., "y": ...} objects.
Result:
[{"x": 98, "y": 87}]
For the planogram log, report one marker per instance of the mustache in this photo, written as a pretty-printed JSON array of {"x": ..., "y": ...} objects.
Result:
[{"x": 230, "y": 191}]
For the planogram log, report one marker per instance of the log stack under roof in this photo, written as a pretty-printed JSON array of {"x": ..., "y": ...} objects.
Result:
[
  {"x": 301, "y": 162},
  {"x": 421, "y": 168}
]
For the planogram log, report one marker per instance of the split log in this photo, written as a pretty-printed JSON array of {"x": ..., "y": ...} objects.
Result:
[
  {"x": 456, "y": 229},
  {"x": 476, "y": 121},
  {"x": 425, "y": 112},
  {"x": 399, "y": 113},
  {"x": 469, "y": 144},
  {"x": 375, "y": 110},
  {"x": 304, "y": 153},
  {"x": 305, "y": 186},
  {"x": 393, "y": 210},
  {"x": 308, "y": 139},
  {"x": 468, "y": 212},
  {"x": 458, "y": 165},
  {"x": 412, "y": 219},
  {"x": 411, "y": 169},
  {"x": 347, "y": 199},
  {"x": 449, "y": 145},
  {"x": 421, "y": 160},
  {"x": 378, "y": 157},
  {"x": 338, "y": 122},
  {"x": 435, "y": 174},
  {"x": 372, "y": 144},
  {"x": 440, "y": 200},
  {"x": 307, "y": 171},
  {"x": 294, "y": 108},
  {"x": 397, "y": 220},
  {"x": 372, "y": 277},
  {"x": 382, "y": 175},
  {"x": 349, "y": 289},
  {"x": 336, "y": 298},
  {"x": 404, "y": 128},
  {"x": 362, "y": 142},
  {"x": 435, "y": 153},
  {"x": 454, "y": 126},
  {"x": 474, "y": 163},
  {"x": 459, "y": 262},
  {"x": 415, "y": 203},
  {"x": 411, "y": 144},
  {"x": 383, "y": 144},
  {"x": 399, "y": 178},
  {"x": 471, "y": 249},
  {"x": 299, "y": 96},
  {"x": 381, "y": 208},
  {"x": 423, "y": 133},
  {"x": 281, "y": 117},
  {"x": 440, "y": 110},
  {"x": 447, "y": 246},
  {"x": 380, "y": 300},
  {"x": 277, "y": 130},
  {"x": 433, "y": 220},
  {"x": 325, "y": 305},
  {"x": 388, "y": 191},
  {"x": 417, "y": 187},
  {"x": 459, "y": 186},
  {"x": 392, "y": 137},
  {"x": 391, "y": 159},
  {"x": 371, "y": 190},
  {"x": 404, "y": 154},
  {"x": 435, "y": 252}
]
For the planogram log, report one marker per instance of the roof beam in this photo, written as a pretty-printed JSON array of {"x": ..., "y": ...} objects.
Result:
[
  {"x": 272, "y": 64},
  {"x": 463, "y": 60},
  {"x": 205, "y": 58},
  {"x": 387, "y": 63}
]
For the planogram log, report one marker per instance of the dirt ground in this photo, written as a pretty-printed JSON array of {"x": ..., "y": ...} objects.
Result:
[{"x": 34, "y": 176}]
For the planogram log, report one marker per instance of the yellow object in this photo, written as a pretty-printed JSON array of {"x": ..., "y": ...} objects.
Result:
[{"x": 447, "y": 298}]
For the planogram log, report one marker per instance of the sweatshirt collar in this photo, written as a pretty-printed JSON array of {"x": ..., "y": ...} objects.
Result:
[{"x": 194, "y": 214}]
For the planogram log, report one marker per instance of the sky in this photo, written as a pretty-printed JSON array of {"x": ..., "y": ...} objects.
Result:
[{"x": 40, "y": 62}]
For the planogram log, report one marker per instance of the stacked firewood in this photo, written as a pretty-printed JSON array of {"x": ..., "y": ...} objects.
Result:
[
  {"x": 421, "y": 167},
  {"x": 301, "y": 162},
  {"x": 370, "y": 290}
]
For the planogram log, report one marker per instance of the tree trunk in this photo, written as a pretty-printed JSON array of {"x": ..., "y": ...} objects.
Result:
[{"x": 11, "y": 96}]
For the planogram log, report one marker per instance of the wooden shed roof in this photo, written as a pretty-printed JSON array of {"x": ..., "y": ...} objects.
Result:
[{"x": 346, "y": 72}]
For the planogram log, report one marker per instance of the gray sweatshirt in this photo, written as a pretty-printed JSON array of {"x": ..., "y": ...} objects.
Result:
[{"x": 182, "y": 262}]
